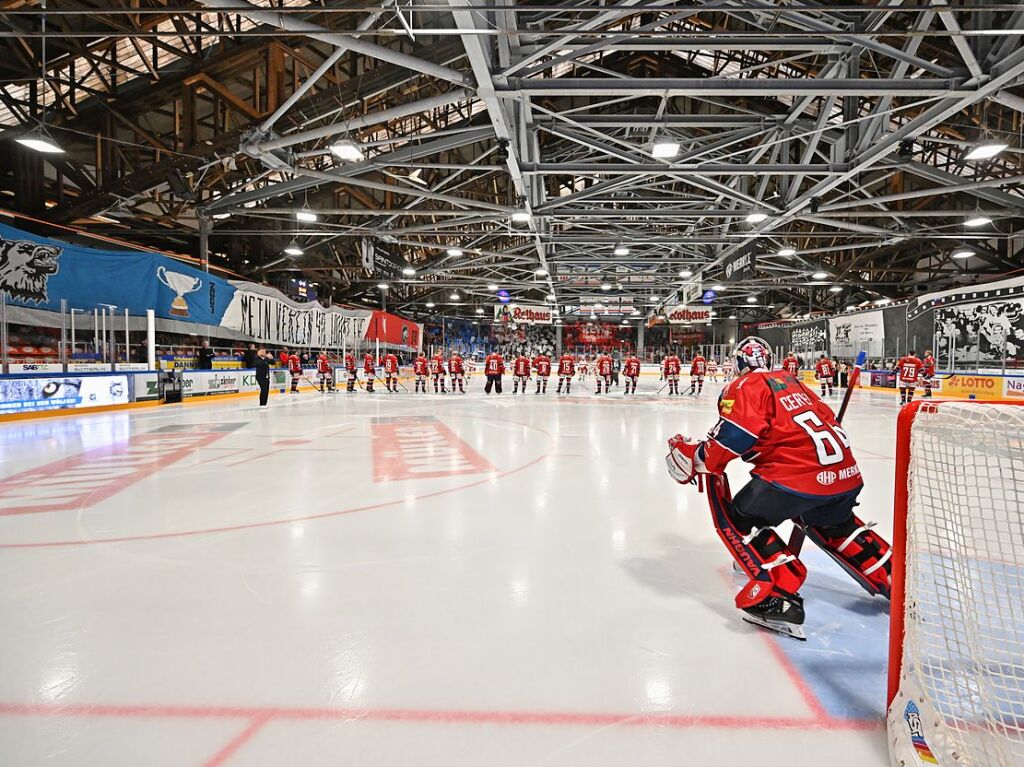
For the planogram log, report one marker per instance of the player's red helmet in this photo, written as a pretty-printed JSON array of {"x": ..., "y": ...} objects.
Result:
[{"x": 753, "y": 353}]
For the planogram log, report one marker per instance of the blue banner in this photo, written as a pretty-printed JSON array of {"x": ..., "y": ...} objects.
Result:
[{"x": 37, "y": 272}]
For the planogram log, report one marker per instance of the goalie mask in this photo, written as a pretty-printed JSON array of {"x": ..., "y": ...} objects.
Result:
[{"x": 753, "y": 353}]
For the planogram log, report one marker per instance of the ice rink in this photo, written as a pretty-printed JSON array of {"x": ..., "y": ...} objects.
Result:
[{"x": 410, "y": 580}]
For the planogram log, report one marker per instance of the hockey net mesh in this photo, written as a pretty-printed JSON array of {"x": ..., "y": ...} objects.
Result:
[{"x": 963, "y": 651}]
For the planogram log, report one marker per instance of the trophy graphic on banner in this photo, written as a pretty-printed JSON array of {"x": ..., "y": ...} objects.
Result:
[{"x": 182, "y": 285}]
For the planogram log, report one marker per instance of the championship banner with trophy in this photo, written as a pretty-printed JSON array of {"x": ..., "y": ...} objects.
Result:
[{"x": 37, "y": 273}]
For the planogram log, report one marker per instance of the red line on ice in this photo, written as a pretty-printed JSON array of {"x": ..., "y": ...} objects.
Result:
[{"x": 262, "y": 715}]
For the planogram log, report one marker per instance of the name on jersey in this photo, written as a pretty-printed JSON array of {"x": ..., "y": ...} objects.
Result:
[{"x": 795, "y": 401}]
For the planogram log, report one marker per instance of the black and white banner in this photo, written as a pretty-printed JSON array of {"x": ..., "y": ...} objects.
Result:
[
  {"x": 849, "y": 334},
  {"x": 278, "y": 320}
]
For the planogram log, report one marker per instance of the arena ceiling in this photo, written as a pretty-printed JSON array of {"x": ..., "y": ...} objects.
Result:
[{"x": 570, "y": 153}]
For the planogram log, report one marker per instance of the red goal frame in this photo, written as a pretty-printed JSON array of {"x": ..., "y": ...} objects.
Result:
[{"x": 901, "y": 497}]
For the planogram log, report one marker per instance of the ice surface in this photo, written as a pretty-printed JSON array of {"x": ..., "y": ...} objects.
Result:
[{"x": 398, "y": 579}]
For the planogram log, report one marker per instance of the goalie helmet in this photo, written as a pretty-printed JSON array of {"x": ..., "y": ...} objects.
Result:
[{"x": 753, "y": 353}]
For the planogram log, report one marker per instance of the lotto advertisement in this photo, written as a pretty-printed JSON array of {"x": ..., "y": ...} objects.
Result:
[{"x": 27, "y": 395}]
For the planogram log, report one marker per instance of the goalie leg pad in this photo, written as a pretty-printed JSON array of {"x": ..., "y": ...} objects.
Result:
[
  {"x": 773, "y": 569},
  {"x": 859, "y": 550}
]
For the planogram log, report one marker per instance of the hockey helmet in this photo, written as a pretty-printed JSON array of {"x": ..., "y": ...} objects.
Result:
[{"x": 753, "y": 353}]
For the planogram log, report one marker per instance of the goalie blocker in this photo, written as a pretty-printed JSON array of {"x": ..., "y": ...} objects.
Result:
[{"x": 803, "y": 471}]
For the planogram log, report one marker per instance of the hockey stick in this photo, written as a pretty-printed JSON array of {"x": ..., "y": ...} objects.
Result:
[{"x": 797, "y": 537}]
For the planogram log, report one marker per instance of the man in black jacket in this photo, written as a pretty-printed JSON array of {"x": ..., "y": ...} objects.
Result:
[
  {"x": 206, "y": 356},
  {"x": 262, "y": 365}
]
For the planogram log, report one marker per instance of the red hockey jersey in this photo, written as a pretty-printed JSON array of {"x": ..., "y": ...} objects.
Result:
[
  {"x": 786, "y": 431},
  {"x": 604, "y": 365},
  {"x": 542, "y": 364},
  {"x": 671, "y": 365},
  {"x": 698, "y": 366},
  {"x": 419, "y": 366},
  {"x": 928, "y": 366},
  {"x": 631, "y": 367},
  {"x": 294, "y": 364},
  {"x": 494, "y": 365},
  {"x": 825, "y": 368},
  {"x": 521, "y": 366},
  {"x": 566, "y": 365},
  {"x": 391, "y": 364},
  {"x": 455, "y": 365},
  {"x": 909, "y": 369},
  {"x": 791, "y": 365},
  {"x": 323, "y": 365},
  {"x": 437, "y": 365},
  {"x": 368, "y": 366},
  {"x": 350, "y": 362}
]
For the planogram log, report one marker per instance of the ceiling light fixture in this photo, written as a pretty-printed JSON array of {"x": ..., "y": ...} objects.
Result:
[
  {"x": 718, "y": 288},
  {"x": 819, "y": 275},
  {"x": 664, "y": 150},
  {"x": 347, "y": 150},
  {"x": 976, "y": 221},
  {"x": 986, "y": 150},
  {"x": 787, "y": 251},
  {"x": 961, "y": 253},
  {"x": 305, "y": 215},
  {"x": 621, "y": 250},
  {"x": 685, "y": 273},
  {"x": 455, "y": 297},
  {"x": 751, "y": 299},
  {"x": 605, "y": 286},
  {"x": 409, "y": 271},
  {"x": 542, "y": 272},
  {"x": 521, "y": 216},
  {"x": 836, "y": 289},
  {"x": 429, "y": 304},
  {"x": 757, "y": 217},
  {"x": 382, "y": 286},
  {"x": 454, "y": 252},
  {"x": 293, "y": 249},
  {"x": 479, "y": 310},
  {"x": 492, "y": 287}
]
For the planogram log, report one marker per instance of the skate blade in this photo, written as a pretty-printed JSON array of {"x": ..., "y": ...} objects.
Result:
[{"x": 778, "y": 627}]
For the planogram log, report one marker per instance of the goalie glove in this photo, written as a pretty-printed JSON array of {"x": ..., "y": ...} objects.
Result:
[{"x": 682, "y": 461}]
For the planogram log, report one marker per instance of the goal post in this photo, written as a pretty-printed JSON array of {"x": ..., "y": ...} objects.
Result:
[{"x": 956, "y": 645}]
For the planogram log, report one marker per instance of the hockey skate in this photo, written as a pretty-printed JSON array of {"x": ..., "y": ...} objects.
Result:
[{"x": 783, "y": 615}]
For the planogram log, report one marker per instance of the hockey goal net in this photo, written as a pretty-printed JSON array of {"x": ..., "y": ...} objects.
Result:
[{"x": 956, "y": 662}]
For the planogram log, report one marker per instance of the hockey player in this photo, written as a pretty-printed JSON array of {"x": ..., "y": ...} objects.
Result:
[
  {"x": 604, "y": 373},
  {"x": 791, "y": 365},
  {"x": 803, "y": 471},
  {"x": 583, "y": 368},
  {"x": 928, "y": 373},
  {"x": 631, "y": 372},
  {"x": 456, "y": 370},
  {"x": 295, "y": 368},
  {"x": 520, "y": 373},
  {"x": 713, "y": 370},
  {"x": 494, "y": 368},
  {"x": 391, "y": 372},
  {"x": 697, "y": 369},
  {"x": 324, "y": 372},
  {"x": 542, "y": 366},
  {"x": 371, "y": 371},
  {"x": 670, "y": 369},
  {"x": 566, "y": 369},
  {"x": 420, "y": 369},
  {"x": 437, "y": 372},
  {"x": 727, "y": 370},
  {"x": 825, "y": 372},
  {"x": 908, "y": 372},
  {"x": 350, "y": 369}
]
